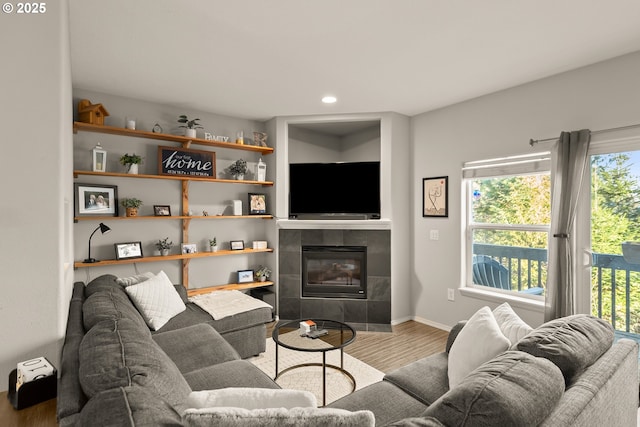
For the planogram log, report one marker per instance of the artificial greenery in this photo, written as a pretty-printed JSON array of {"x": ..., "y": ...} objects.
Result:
[
  {"x": 189, "y": 124},
  {"x": 130, "y": 159},
  {"x": 131, "y": 202},
  {"x": 263, "y": 272},
  {"x": 164, "y": 244},
  {"x": 239, "y": 167},
  {"x": 213, "y": 242}
]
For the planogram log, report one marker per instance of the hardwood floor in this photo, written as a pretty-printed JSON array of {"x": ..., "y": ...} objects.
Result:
[
  {"x": 385, "y": 351},
  {"x": 408, "y": 342}
]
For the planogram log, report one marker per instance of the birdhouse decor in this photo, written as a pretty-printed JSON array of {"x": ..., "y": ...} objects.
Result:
[{"x": 91, "y": 113}]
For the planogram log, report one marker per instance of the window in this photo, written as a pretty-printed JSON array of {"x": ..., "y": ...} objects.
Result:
[{"x": 507, "y": 228}]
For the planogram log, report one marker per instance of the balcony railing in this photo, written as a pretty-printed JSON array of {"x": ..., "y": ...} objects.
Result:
[{"x": 616, "y": 283}]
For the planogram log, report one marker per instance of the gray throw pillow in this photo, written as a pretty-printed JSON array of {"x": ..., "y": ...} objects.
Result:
[
  {"x": 513, "y": 389},
  {"x": 573, "y": 343},
  {"x": 110, "y": 306}
]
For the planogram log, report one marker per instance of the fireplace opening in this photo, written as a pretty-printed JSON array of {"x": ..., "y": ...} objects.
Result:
[{"x": 334, "y": 271}]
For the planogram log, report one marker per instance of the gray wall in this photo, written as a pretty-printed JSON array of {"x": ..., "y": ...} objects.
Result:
[
  {"x": 36, "y": 202},
  {"x": 213, "y": 197},
  {"x": 600, "y": 96}
]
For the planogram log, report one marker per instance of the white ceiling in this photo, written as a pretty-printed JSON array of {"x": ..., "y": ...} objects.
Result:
[{"x": 263, "y": 58}]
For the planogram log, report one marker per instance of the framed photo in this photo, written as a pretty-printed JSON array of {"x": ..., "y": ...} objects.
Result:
[
  {"x": 237, "y": 245},
  {"x": 257, "y": 204},
  {"x": 128, "y": 250},
  {"x": 189, "y": 248},
  {"x": 245, "y": 276},
  {"x": 162, "y": 210},
  {"x": 435, "y": 197},
  {"x": 95, "y": 200}
]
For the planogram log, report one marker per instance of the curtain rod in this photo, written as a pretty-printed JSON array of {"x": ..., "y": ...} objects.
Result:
[{"x": 532, "y": 142}]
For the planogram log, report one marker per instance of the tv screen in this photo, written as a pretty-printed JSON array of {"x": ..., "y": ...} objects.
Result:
[{"x": 334, "y": 188}]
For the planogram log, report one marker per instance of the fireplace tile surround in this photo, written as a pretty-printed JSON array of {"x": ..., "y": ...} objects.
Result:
[{"x": 371, "y": 314}]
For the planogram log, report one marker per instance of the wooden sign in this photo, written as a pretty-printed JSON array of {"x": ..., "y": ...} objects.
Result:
[{"x": 186, "y": 162}]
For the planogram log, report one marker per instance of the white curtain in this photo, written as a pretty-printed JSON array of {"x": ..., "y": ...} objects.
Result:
[{"x": 569, "y": 161}]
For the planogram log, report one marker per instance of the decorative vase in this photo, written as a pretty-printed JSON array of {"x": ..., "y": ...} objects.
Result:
[
  {"x": 132, "y": 211},
  {"x": 240, "y": 177},
  {"x": 190, "y": 133},
  {"x": 132, "y": 169},
  {"x": 263, "y": 278},
  {"x": 213, "y": 248},
  {"x": 164, "y": 252}
]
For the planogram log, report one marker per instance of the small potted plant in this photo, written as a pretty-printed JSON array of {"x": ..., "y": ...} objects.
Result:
[
  {"x": 164, "y": 245},
  {"x": 131, "y": 161},
  {"x": 263, "y": 273},
  {"x": 190, "y": 126},
  {"x": 131, "y": 204},
  {"x": 213, "y": 245},
  {"x": 238, "y": 169}
]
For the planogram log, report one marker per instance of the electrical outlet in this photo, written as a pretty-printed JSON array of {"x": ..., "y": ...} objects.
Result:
[
  {"x": 451, "y": 294},
  {"x": 434, "y": 234}
]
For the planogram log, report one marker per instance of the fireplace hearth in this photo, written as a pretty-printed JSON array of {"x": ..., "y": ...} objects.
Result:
[{"x": 334, "y": 272}]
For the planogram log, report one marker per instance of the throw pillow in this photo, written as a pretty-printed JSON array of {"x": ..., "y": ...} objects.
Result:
[
  {"x": 479, "y": 340},
  {"x": 277, "y": 417},
  {"x": 156, "y": 299},
  {"x": 252, "y": 398},
  {"x": 513, "y": 389},
  {"x": 134, "y": 280},
  {"x": 573, "y": 343},
  {"x": 511, "y": 325}
]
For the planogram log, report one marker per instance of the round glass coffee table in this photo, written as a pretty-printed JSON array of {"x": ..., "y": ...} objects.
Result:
[{"x": 339, "y": 335}]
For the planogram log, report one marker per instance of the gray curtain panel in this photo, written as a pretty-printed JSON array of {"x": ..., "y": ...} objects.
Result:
[{"x": 569, "y": 160}]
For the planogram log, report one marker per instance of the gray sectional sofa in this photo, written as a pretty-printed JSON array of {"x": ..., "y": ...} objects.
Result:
[{"x": 115, "y": 371}]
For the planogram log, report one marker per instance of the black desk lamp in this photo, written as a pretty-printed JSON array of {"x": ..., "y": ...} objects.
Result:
[{"x": 104, "y": 229}]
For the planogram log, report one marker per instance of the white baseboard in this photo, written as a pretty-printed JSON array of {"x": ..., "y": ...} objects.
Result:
[{"x": 432, "y": 323}]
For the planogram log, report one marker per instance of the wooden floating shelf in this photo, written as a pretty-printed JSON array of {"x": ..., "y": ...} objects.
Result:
[
  {"x": 158, "y": 258},
  {"x": 228, "y": 287},
  {"x": 76, "y": 173},
  {"x": 111, "y": 130},
  {"x": 153, "y": 217}
]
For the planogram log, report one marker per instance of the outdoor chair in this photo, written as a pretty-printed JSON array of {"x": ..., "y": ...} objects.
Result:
[{"x": 489, "y": 272}]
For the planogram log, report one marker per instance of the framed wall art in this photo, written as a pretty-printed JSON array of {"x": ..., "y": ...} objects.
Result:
[
  {"x": 435, "y": 197},
  {"x": 237, "y": 245},
  {"x": 95, "y": 200},
  {"x": 257, "y": 204},
  {"x": 245, "y": 276},
  {"x": 128, "y": 250}
]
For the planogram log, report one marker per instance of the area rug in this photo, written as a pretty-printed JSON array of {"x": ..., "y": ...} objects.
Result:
[{"x": 310, "y": 378}]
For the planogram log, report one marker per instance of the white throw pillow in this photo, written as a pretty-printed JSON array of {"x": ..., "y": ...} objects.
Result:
[
  {"x": 134, "y": 280},
  {"x": 251, "y": 398},
  {"x": 156, "y": 299},
  {"x": 479, "y": 341},
  {"x": 511, "y": 325},
  {"x": 277, "y": 417}
]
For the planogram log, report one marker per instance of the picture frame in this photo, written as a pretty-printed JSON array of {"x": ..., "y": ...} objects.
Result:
[
  {"x": 237, "y": 245},
  {"x": 161, "y": 210},
  {"x": 128, "y": 250},
  {"x": 245, "y": 276},
  {"x": 257, "y": 203},
  {"x": 435, "y": 197},
  {"x": 186, "y": 162},
  {"x": 95, "y": 200},
  {"x": 189, "y": 248}
]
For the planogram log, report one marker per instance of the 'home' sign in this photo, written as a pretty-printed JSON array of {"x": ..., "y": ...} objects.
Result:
[{"x": 182, "y": 161}]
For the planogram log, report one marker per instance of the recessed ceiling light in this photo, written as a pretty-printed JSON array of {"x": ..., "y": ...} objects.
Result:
[{"x": 329, "y": 99}]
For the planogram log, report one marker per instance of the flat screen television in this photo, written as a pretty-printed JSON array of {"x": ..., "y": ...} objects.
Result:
[{"x": 334, "y": 189}]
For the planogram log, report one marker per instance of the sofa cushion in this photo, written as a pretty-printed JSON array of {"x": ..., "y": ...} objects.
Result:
[
  {"x": 106, "y": 283},
  {"x": 479, "y": 340},
  {"x": 109, "y": 306},
  {"x": 425, "y": 380},
  {"x": 573, "y": 343},
  {"x": 387, "y": 402},
  {"x": 277, "y": 417},
  {"x": 156, "y": 299},
  {"x": 195, "y": 347},
  {"x": 128, "y": 406},
  {"x": 117, "y": 353},
  {"x": 235, "y": 373},
  {"x": 417, "y": 422},
  {"x": 513, "y": 389},
  {"x": 511, "y": 325},
  {"x": 134, "y": 280},
  {"x": 252, "y": 398}
]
